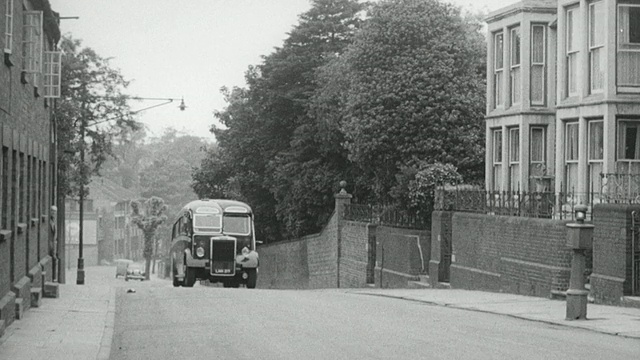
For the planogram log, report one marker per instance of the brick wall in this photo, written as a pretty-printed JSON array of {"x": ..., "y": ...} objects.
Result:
[
  {"x": 284, "y": 265},
  {"x": 401, "y": 255},
  {"x": 25, "y": 120},
  {"x": 355, "y": 253},
  {"x": 611, "y": 275},
  {"x": 519, "y": 255},
  {"x": 322, "y": 255}
]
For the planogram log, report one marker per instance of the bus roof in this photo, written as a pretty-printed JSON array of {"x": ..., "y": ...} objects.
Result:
[{"x": 224, "y": 205}]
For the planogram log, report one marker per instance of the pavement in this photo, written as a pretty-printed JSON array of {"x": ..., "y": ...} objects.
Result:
[{"x": 80, "y": 323}]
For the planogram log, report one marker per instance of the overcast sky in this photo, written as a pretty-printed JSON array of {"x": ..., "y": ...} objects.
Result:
[{"x": 188, "y": 48}]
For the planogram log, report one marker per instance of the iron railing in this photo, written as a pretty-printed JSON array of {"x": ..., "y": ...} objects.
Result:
[
  {"x": 620, "y": 188},
  {"x": 387, "y": 215},
  {"x": 547, "y": 205}
]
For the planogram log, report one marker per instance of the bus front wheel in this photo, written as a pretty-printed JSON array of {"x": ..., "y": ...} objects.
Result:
[
  {"x": 189, "y": 276},
  {"x": 174, "y": 273},
  {"x": 252, "y": 278}
]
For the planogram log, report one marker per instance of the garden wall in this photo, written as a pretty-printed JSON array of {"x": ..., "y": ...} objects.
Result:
[{"x": 525, "y": 256}]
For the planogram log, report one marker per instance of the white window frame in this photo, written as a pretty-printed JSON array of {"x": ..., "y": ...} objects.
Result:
[
  {"x": 514, "y": 146},
  {"x": 590, "y": 124},
  {"x": 543, "y": 129},
  {"x": 567, "y": 143},
  {"x": 539, "y": 64},
  {"x": 496, "y": 157},
  {"x": 497, "y": 146},
  {"x": 498, "y": 72},
  {"x": 515, "y": 68},
  {"x": 8, "y": 28},
  {"x": 572, "y": 51},
  {"x": 623, "y": 124},
  {"x": 52, "y": 73},
  {"x": 32, "y": 42},
  {"x": 625, "y": 47},
  {"x": 596, "y": 49}
]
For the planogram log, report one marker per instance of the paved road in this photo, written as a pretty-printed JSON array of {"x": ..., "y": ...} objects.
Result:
[{"x": 162, "y": 322}]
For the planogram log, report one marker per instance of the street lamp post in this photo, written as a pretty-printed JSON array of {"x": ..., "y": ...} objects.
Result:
[
  {"x": 83, "y": 125},
  {"x": 80, "y": 274}
]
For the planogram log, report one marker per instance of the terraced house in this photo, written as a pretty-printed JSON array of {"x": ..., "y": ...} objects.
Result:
[
  {"x": 29, "y": 84},
  {"x": 563, "y": 99}
]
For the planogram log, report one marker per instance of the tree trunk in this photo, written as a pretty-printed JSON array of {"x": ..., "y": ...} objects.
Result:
[
  {"x": 148, "y": 251},
  {"x": 155, "y": 255}
]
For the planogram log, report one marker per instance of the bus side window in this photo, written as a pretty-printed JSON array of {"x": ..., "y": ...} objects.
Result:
[
  {"x": 184, "y": 225},
  {"x": 174, "y": 233}
]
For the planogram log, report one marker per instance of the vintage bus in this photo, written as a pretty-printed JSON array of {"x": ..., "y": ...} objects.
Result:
[{"x": 214, "y": 240}]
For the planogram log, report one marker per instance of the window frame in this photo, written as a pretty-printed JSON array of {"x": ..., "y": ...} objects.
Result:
[
  {"x": 569, "y": 124},
  {"x": 514, "y": 147},
  {"x": 593, "y": 48},
  {"x": 515, "y": 69},
  {"x": 571, "y": 50},
  {"x": 32, "y": 43},
  {"x": 498, "y": 72},
  {"x": 8, "y": 28},
  {"x": 52, "y": 73},
  {"x": 620, "y": 48},
  {"x": 544, "y": 145},
  {"x": 542, "y": 64},
  {"x": 234, "y": 215},
  {"x": 621, "y": 139},
  {"x": 590, "y": 124},
  {"x": 496, "y": 145}
]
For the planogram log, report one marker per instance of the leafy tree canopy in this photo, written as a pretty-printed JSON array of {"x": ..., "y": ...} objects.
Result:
[
  {"x": 414, "y": 90},
  {"x": 268, "y": 122},
  {"x": 92, "y": 93}
]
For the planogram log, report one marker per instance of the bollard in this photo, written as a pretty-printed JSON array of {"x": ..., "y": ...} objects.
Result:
[{"x": 579, "y": 239}]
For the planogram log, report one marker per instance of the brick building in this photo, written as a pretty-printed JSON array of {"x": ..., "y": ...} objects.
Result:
[
  {"x": 107, "y": 230},
  {"x": 29, "y": 82},
  {"x": 563, "y": 98}
]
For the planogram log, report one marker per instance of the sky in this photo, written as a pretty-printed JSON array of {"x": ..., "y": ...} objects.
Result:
[{"x": 188, "y": 48}]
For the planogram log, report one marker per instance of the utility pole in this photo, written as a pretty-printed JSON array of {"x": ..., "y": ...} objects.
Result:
[{"x": 80, "y": 274}]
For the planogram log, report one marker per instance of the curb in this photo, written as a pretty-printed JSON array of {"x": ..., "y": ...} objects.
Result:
[
  {"x": 550, "y": 322},
  {"x": 107, "y": 336}
]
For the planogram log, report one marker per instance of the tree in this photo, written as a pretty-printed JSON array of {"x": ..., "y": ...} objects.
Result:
[
  {"x": 92, "y": 100},
  {"x": 148, "y": 215},
  {"x": 414, "y": 90},
  {"x": 267, "y": 124}
]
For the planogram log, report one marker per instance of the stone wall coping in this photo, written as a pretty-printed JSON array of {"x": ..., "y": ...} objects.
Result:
[
  {"x": 619, "y": 208},
  {"x": 5, "y": 235}
]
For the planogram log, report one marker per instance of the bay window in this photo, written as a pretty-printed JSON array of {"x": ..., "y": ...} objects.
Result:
[
  {"x": 628, "y": 54},
  {"x": 538, "y": 64}
]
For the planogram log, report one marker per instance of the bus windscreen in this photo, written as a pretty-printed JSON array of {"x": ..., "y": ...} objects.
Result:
[
  {"x": 210, "y": 221},
  {"x": 237, "y": 225}
]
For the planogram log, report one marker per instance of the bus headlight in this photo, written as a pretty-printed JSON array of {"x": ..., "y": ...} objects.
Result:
[
  {"x": 245, "y": 251},
  {"x": 200, "y": 251}
]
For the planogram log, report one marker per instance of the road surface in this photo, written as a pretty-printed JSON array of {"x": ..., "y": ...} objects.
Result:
[{"x": 159, "y": 321}]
